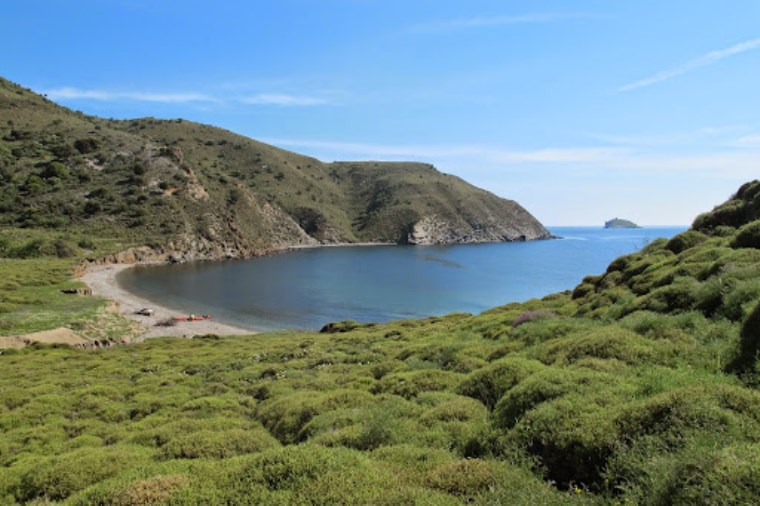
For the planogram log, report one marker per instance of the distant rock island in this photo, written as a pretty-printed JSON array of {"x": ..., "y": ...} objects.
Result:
[{"x": 619, "y": 223}]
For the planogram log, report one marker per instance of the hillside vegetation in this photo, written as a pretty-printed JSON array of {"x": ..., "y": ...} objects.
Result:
[
  {"x": 77, "y": 188},
  {"x": 638, "y": 387},
  {"x": 180, "y": 189}
]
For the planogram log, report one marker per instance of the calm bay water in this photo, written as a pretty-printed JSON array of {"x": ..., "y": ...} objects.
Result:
[{"x": 308, "y": 288}]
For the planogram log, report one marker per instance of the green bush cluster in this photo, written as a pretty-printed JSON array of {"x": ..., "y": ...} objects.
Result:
[
  {"x": 639, "y": 386},
  {"x": 748, "y": 236}
]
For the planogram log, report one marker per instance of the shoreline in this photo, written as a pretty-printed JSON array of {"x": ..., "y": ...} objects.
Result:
[{"x": 102, "y": 281}]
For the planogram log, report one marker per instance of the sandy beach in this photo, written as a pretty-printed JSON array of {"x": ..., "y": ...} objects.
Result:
[{"x": 102, "y": 281}]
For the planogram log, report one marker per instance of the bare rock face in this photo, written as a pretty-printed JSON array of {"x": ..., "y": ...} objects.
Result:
[{"x": 436, "y": 230}]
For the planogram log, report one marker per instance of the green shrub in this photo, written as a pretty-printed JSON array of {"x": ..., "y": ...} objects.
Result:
[
  {"x": 702, "y": 473},
  {"x": 339, "y": 327},
  {"x": 155, "y": 490},
  {"x": 619, "y": 264},
  {"x": 63, "y": 249},
  {"x": 609, "y": 342},
  {"x": 681, "y": 295},
  {"x": 311, "y": 474},
  {"x": 411, "y": 463},
  {"x": 454, "y": 409},
  {"x": 539, "y": 331},
  {"x": 740, "y": 298},
  {"x": 55, "y": 169},
  {"x": 661, "y": 326},
  {"x": 728, "y": 476},
  {"x": 568, "y": 423},
  {"x": 673, "y": 443},
  {"x": 675, "y": 415},
  {"x": 729, "y": 214},
  {"x": 58, "y": 477},
  {"x": 749, "y": 345},
  {"x": 489, "y": 383},
  {"x": 412, "y": 383},
  {"x": 214, "y": 405},
  {"x": 709, "y": 297},
  {"x": 87, "y": 145},
  {"x": 542, "y": 386},
  {"x": 217, "y": 444},
  {"x": 583, "y": 290},
  {"x": 427, "y": 355},
  {"x": 748, "y": 236},
  {"x": 32, "y": 249},
  {"x": 286, "y": 416},
  {"x": 684, "y": 241},
  {"x": 464, "y": 478}
]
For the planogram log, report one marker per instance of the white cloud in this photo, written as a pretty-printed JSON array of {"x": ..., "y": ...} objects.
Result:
[
  {"x": 703, "y": 61},
  {"x": 721, "y": 163},
  {"x": 282, "y": 99},
  {"x": 68, "y": 93},
  {"x": 485, "y": 21},
  {"x": 427, "y": 152}
]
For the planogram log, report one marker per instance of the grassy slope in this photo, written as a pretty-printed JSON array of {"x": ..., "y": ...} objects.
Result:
[
  {"x": 30, "y": 291},
  {"x": 208, "y": 190},
  {"x": 640, "y": 386},
  {"x": 78, "y": 187}
]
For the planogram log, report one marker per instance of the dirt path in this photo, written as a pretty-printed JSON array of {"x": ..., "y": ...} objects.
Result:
[{"x": 60, "y": 335}]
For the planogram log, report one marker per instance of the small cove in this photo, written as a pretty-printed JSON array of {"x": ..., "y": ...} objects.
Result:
[{"x": 307, "y": 288}]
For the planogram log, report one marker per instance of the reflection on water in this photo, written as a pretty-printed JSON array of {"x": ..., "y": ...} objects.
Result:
[{"x": 442, "y": 261}]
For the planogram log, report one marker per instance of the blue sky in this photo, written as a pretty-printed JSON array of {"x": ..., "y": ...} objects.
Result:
[{"x": 580, "y": 110}]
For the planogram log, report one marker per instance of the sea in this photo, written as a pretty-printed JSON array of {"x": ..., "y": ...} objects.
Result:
[{"x": 307, "y": 288}]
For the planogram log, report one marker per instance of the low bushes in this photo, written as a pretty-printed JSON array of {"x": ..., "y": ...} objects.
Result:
[
  {"x": 684, "y": 241},
  {"x": 681, "y": 295},
  {"x": 749, "y": 345},
  {"x": 56, "y": 478},
  {"x": 490, "y": 383},
  {"x": 606, "y": 343},
  {"x": 322, "y": 476},
  {"x": 412, "y": 383},
  {"x": 464, "y": 478},
  {"x": 218, "y": 444},
  {"x": 725, "y": 411},
  {"x": 287, "y": 415},
  {"x": 621, "y": 395},
  {"x": 544, "y": 385}
]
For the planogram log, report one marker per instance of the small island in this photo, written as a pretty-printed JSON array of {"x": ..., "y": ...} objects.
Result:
[{"x": 619, "y": 223}]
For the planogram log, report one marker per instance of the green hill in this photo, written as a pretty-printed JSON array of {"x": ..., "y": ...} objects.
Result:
[
  {"x": 638, "y": 387},
  {"x": 190, "y": 191}
]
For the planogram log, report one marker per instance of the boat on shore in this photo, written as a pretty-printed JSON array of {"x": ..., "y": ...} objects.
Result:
[{"x": 191, "y": 318}]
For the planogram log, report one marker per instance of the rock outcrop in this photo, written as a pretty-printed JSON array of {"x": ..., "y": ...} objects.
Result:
[{"x": 435, "y": 230}]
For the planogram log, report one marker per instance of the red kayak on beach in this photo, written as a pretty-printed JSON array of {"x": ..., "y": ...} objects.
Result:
[{"x": 191, "y": 318}]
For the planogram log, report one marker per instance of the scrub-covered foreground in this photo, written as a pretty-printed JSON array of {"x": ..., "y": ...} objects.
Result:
[{"x": 640, "y": 386}]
